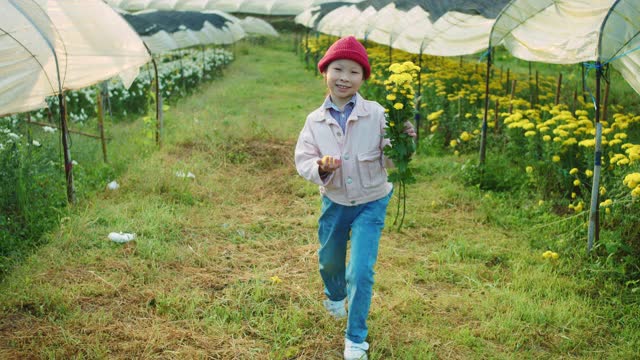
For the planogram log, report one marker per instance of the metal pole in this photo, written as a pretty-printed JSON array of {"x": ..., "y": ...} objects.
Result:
[{"x": 594, "y": 212}]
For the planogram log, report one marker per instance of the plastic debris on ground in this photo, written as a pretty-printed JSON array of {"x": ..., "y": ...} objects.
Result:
[
  {"x": 120, "y": 237},
  {"x": 187, "y": 175}
]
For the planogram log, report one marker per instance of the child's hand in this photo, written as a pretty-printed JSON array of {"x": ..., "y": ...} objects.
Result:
[
  {"x": 329, "y": 164},
  {"x": 409, "y": 129}
]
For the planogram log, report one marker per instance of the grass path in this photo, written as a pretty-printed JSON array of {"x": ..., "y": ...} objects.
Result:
[{"x": 225, "y": 267}]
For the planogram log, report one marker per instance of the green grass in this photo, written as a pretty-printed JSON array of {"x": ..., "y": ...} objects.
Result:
[{"x": 463, "y": 280}]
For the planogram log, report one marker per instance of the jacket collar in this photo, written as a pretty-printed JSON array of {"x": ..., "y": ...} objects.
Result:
[{"x": 359, "y": 110}]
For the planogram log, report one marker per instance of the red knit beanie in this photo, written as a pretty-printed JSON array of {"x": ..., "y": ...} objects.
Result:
[{"x": 346, "y": 48}]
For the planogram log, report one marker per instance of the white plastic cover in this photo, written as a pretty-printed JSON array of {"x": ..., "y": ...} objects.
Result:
[
  {"x": 263, "y": 7},
  {"x": 252, "y": 25},
  {"x": 453, "y": 34},
  {"x": 573, "y": 31},
  {"x": 86, "y": 38},
  {"x": 551, "y": 31},
  {"x": 620, "y": 41}
]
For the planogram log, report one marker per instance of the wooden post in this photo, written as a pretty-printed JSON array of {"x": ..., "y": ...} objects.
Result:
[
  {"x": 605, "y": 100},
  {"x": 306, "y": 48},
  {"x": 513, "y": 90},
  {"x": 483, "y": 136},
  {"x": 530, "y": 86},
  {"x": 537, "y": 88},
  {"x": 584, "y": 85},
  {"x": 158, "y": 105},
  {"x": 496, "y": 117},
  {"x": 68, "y": 165},
  {"x": 419, "y": 100},
  {"x": 204, "y": 62},
  {"x": 506, "y": 84},
  {"x": 100, "y": 106},
  {"x": 558, "y": 87}
]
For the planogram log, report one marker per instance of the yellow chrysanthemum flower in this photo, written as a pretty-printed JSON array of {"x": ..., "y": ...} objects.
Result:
[
  {"x": 632, "y": 180},
  {"x": 606, "y": 203}
]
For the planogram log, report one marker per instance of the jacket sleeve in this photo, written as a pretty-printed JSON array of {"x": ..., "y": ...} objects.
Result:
[{"x": 306, "y": 156}]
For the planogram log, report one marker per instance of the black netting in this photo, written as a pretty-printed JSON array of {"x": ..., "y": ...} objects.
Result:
[
  {"x": 436, "y": 8},
  {"x": 147, "y": 24}
]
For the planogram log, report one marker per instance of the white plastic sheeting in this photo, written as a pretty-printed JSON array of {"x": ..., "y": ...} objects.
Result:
[
  {"x": 342, "y": 21},
  {"x": 620, "y": 41},
  {"x": 459, "y": 30},
  {"x": 453, "y": 34},
  {"x": 184, "y": 37},
  {"x": 552, "y": 31},
  {"x": 47, "y": 45},
  {"x": 263, "y": 7},
  {"x": 573, "y": 31},
  {"x": 255, "y": 26}
]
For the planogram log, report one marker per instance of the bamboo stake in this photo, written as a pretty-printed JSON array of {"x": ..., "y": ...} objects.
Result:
[
  {"x": 100, "y": 106},
  {"x": 506, "y": 83},
  {"x": 68, "y": 165},
  {"x": 537, "y": 88},
  {"x": 605, "y": 101},
  {"x": 513, "y": 90},
  {"x": 530, "y": 86},
  {"x": 496, "y": 117},
  {"x": 558, "y": 87},
  {"x": 483, "y": 137},
  {"x": 158, "y": 105}
]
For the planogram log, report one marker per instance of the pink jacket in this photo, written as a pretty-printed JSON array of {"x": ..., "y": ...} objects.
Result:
[{"x": 362, "y": 177}]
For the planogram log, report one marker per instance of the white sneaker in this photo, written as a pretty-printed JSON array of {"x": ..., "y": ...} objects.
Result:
[
  {"x": 355, "y": 351},
  {"x": 336, "y": 308}
]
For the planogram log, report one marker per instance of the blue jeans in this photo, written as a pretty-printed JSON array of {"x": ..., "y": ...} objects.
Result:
[{"x": 362, "y": 224}]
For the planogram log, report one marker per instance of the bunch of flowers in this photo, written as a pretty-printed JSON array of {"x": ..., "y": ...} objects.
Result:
[{"x": 399, "y": 103}]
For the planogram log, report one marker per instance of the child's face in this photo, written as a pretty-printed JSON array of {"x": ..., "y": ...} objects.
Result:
[{"x": 344, "y": 78}]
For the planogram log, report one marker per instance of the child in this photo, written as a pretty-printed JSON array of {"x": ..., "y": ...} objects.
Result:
[{"x": 340, "y": 148}]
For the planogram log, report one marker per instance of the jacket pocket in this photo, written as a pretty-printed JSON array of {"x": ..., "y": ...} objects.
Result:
[
  {"x": 370, "y": 169},
  {"x": 336, "y": 180}
]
